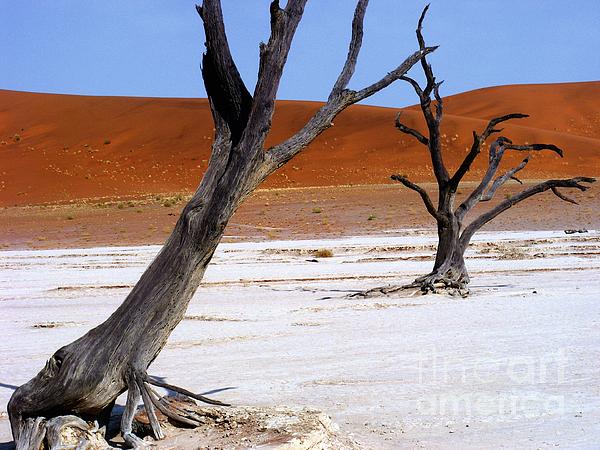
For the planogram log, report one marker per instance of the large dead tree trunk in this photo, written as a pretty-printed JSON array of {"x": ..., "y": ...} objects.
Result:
[
  {"x": 83, "y": 379},
  {"x": 449, "y": 271}
]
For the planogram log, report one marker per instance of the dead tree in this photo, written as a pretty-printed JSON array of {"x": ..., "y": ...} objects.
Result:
[
  {"x": 82, "y": 380},
  {"x": 449, "y": 270}
]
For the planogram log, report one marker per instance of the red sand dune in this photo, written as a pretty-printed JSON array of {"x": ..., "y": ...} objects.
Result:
[{"x": 57, "y": 148}]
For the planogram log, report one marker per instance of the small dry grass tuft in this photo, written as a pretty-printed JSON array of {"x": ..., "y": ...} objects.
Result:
[
  {"x": 323, "y": 253},
  {"x": 44, "y": 325}
]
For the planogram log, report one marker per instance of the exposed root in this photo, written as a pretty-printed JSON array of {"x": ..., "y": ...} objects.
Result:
[
  {"x": 448, "y": 281},
  {"x": 32, "y": 432},
  {"x": 173, "y": 412},
  {"x": 60, "y": 433},
  {"x": 380, "y": 291},
  {"x": 133, "y": 397},
  {"x": 183, "y": 391},
  {"x": 150, "y": 411},
  {"x": 443, "y": 282}
]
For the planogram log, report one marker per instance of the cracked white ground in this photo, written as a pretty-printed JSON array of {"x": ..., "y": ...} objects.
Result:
[{"x": 516, "y": 364}]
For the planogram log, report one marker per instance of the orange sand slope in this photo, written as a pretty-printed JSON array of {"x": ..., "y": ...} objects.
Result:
[{"x": 56, "y": 148}]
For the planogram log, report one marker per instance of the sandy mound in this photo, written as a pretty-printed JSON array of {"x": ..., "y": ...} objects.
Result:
[
  {"x": 65, "y": 147},
  {"x": 279, "y": 428}
]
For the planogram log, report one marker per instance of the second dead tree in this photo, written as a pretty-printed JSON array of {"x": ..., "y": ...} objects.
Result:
[{"x": 449, "y": 271}]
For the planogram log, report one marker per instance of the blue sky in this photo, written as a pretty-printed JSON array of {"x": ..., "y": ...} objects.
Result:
[{"x": 153, "y": 47}]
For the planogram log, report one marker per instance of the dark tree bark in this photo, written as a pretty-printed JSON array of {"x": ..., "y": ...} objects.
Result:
[
  {"x": 84, "y": 378},
  {"x": 449, "y": 270}
]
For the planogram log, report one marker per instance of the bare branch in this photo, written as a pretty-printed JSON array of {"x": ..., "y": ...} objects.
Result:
[
  {"x": 563, "y": 196},
  {"x": 536, "y": 147},
  {"x": 420, "y": 26},
  {"x": 183, "y": 391},
  {"x": 433, "y": 121},
  {"x": 424, "y": 64},
  {"x": 353, "y": 49},
  {"x": 496, "y": 152},
  {"x": 574, "y": 183},
  {"x": 496, "y": 120},
  {"x": 414, "y": 84},
  {"x": 478, "y": 140},
  {"x": 394, "y": 75},
  {"x": 339, "y": 98},
  {"x": 422, "y": 192},
  {"x": 407, "y": 130},
  {"x": 503, "y": 179},
  {"x": 439, "y": 106},
  {"x": 322, "y": 119},
  {"x": 273, "y": 56},
  {"x": 229, "y": 98}
]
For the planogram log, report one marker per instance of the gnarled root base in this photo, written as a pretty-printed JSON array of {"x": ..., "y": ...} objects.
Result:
[
  {"x": 140, "y": 386},
  {"x": 69, "y": 432},
  {"x": 381, "y": 291},
  {"x": 450, "y": 281},
  {"x": 60, "y": 433}
]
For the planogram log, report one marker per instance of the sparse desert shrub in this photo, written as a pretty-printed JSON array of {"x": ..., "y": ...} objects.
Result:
[
  {"x": 121, "y": 205},
  {"x": 106, "y": 141},
  {"x": 372, "y": 217},
  {"x": 17, "y": 137},
  {"x": 323, "y": 253},
  {"x": 167, "y": 203},
  {"x": 317, "y": 210},
  {"x": 70, "y": 217}
]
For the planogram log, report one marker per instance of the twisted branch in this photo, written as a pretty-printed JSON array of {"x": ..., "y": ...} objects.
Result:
[
  {"x": 422, "y": 192},
  {"x": 478, "y": 141},
  {"x": 229, "y": 98},
  {"x": 574, "y": 183},
  {"x": 407, "y": 130},
  {"x": 340, "y": 97},
  {"x": 433, "y": 121},
  {"x": 353, "y": 49},
  {"x": 498, "y": 182},
  {"x": 497, "y": 149}
]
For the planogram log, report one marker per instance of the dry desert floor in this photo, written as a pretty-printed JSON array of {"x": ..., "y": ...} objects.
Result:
[{"x": 514, "y": 365}]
